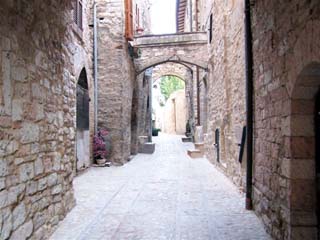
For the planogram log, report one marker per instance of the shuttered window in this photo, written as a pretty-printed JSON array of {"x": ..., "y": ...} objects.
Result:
[
  {"x": 129, "y": 20},
  {"x": 137, "y": 18},
  {"x": 77, "y": 13},
  {"x": 210, "y": 28}
]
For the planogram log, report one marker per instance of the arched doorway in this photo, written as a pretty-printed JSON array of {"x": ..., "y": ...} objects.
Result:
[
  {"x": 303, "y": 145},
  {"x": 83, "y": 135}
]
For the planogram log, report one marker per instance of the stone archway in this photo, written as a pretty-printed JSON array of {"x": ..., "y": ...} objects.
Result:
[
  {"x": 187, "y": 48},
  {"x": 170, "y": 69},
  {"x": 301, "y": 151},
  {"x": 170, "y": 115},
  {"x": 83, "y": 133}
]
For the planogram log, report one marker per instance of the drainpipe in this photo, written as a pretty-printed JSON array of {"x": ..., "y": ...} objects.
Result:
[
  {"x": 249, "y": 102},
  {"x": 198, "y": 96},
  {"x": 95, "y": 66},
  {"x": 191, "y": 27}
]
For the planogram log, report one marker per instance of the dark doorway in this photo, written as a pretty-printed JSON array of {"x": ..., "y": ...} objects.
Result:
[
  {"x": 82, "y": 102},
  {"x": 83, "y": 136},
  {"x": 217, "y": 143},
  {"x": 317, "y": 147}
]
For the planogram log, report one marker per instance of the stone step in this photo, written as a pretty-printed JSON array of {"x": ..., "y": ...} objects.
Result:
[
  {"x": 195, "y": 153},
  {"x": 147, "y": 148},
  {"x": 199, "y": 146},
  {"x": 186, "y": 139}
]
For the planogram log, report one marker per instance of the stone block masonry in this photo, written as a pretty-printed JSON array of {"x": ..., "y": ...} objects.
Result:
[
  {"x": 223, "y": 90},
  {"x": 286, "y": 89},
  {"x": 116, "y": 79},
  {"x": 286, "y": 72},
  {"x": 38, "y": 76},
  {"x": 179, "y": 51}
]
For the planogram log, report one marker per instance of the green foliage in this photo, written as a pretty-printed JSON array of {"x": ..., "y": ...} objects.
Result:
[
  {"x": 170, "y": 84},
  {"x": 155, "y": 131}
]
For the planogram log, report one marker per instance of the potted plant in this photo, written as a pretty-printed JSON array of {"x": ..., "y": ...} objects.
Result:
[
  {"x": 155, "y": 132},
  {"x": 107, "y": 140},
  {"x": 99, "y": 147}
]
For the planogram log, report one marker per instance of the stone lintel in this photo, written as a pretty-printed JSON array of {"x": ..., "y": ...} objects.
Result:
[{"x": 171, "y": 39}]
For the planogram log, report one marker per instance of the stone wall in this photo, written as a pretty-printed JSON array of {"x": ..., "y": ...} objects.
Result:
[
  {"x": 286, "y": 82},
  {"x": 203, "y": 93},
  {"x": 175, "y": 113},
  {"x": 82, "y": 46},
  {"x": 115, "y": 78},
  {"x": 286, "y": 72},
  {"x": 169, "y": 69},
  {"x": 139, "y": 111},
  {"x": 37, "y": 116},
  {"x": 223, "y": 97}
]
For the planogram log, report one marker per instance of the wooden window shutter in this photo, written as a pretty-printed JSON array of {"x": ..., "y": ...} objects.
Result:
[
  {"x": 77, "y": 13},
  {"x": 80, "y": 10},
  {"x": 210, "y": 28},
  {"x": 129, "y": 20}
]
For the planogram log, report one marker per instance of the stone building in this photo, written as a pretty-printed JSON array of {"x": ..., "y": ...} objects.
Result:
[
  {"x": 47, "y": 102},
  {"x": 119, "y": 22},
  {"x": 221, "y": 92},
  {"x": 285, "y": 42},
  {"x": 286, "y": 109},
  {"x": 175, "y": 114},
  {"x": 45, "y": 58}
]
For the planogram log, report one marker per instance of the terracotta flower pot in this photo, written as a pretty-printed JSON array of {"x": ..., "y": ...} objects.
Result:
[{"x": 101, "y": 161}]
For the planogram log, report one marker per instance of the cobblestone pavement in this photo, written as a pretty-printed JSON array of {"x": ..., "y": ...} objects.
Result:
[{"x": 166, "y": 195}]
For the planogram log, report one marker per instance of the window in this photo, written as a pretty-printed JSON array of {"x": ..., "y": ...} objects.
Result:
[
  {"x": 77, "y": 13},
  {"x": 137, "y": 17},
  {"x": 129, "y": 22},
  {"x": 210, "y": 28}
]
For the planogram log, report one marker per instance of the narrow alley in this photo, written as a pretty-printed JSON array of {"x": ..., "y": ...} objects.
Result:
[
  {"x": 174, "y": 197},
  {"x": 233, "y": 88}
]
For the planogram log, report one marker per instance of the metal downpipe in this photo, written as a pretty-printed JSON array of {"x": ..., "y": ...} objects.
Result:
[
  {"x": 95, "y": 66},
  {"x": 198, "y": 98},
  {"x": 249, "y": 102}
]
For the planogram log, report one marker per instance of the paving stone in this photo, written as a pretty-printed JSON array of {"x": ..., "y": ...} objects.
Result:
[{"x": 166, "y": 195}]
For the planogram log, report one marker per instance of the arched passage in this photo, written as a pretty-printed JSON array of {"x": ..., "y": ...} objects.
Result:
[
  {"x": 171, "y": 69},
  {"x": 188, "y": 48},
  {"x": 170, "y": 104},
  {"x": 303, "y": 152},
  {"x": 157, "y": 62},
  {"x": 83, "y": 135},
  {"x": 140, "y": 115},
  {"x": 186, "y": 73}
]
